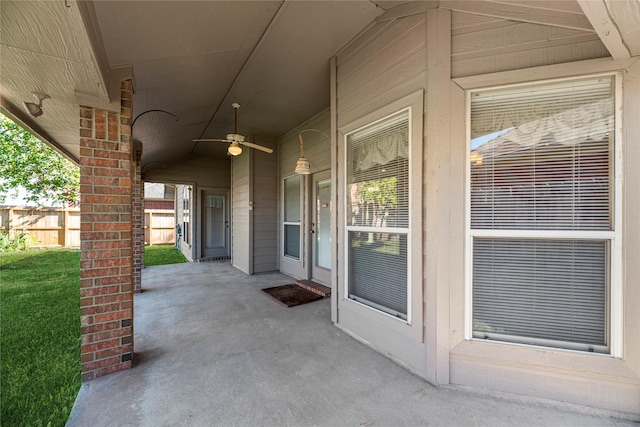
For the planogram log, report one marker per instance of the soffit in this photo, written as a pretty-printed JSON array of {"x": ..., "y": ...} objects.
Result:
[
  {"x": 626, "y": 16},
  {"x": 42, "y": 50}
]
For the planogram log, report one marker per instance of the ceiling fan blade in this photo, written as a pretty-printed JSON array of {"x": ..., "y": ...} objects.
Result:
[
  {"x": 257, "y": 147},
  {"x": 211, "y": 140}
]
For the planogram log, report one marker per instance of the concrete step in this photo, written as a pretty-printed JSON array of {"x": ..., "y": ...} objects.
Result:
[{"x": 314, "y": 287}]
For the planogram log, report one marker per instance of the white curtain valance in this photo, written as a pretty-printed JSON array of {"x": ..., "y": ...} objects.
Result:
[{"x": 384, "y": 150}]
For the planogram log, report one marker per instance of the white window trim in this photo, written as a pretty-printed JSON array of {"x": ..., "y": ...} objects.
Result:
[
  {"x": 393, "y": 230},
  {"x": 615, "y": 302},
  {"x": 348, "y": 312},
  {"x": 299, "y": 223}
]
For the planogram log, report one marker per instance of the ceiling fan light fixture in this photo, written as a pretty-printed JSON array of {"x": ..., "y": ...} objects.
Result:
[
  {"x": 234, "y": 149},
  {"x": 235, "y": 137}
]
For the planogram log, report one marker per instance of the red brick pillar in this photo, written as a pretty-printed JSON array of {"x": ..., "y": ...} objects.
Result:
[
  {"x": 138, "y": 218},
  {"x": 106, "y": 263}
]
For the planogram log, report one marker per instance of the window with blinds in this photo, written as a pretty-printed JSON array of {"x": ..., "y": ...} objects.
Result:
[
  {"x": 541, "y": 212},
  {"x": 378, "y": 214}
]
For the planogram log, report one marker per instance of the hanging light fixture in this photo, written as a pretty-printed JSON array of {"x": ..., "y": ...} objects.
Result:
[
  {"x": 302, "y": 165},
  {"x": 234, "y": 149}
]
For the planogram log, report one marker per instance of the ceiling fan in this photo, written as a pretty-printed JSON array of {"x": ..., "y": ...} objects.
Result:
[{"x": 235, "y": 140}]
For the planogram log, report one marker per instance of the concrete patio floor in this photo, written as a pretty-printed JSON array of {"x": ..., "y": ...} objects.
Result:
[{"x": 211, "y": 349}]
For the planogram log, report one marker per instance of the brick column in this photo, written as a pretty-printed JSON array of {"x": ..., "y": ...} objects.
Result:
[
  {"x": 138, "y": 218},
  {"x": 106, "y": 262}
]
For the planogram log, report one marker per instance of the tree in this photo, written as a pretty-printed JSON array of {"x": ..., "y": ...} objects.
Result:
[{"x": 28, "y": 163}]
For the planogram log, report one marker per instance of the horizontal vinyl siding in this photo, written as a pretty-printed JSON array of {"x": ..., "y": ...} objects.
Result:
[
  {"x": 240, "y": 215},
  {"x": 317, "y": 147},
  {"x": 481, "y": 45},
  {"x": 385, "y": 64},
  {"x": 265, "y": 209}
]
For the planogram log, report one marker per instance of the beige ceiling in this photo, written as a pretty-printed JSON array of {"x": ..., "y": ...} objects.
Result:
[
  {"x": 194, "y": 58},
  {"x": 189, "y": 58}
]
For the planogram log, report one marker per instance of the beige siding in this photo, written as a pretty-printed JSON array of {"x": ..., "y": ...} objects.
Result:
[
  {"x": 240, "y": 213},
  {"x": 397, "y": 57},
  {"x": 483, "y": 45},
  {"x": 381, "y": 69},
  {"x": 265, "y": 208},
  {"x": 387, "y": 63},
  {"x": 317, "y": 149}
]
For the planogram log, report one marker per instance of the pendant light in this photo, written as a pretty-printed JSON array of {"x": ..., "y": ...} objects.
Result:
[{"x": 302, "y": 165}]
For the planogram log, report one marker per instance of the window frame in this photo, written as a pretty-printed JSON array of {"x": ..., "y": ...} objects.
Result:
[
  {"x": 614, "y": 297},
  {"x": 413, "y": 325},
  {"x": 187, "y": 194},
  {"x": 299, "y": 223}
]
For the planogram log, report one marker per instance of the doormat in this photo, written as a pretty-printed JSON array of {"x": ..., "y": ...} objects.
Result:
[{"x": 291, "y": 295}]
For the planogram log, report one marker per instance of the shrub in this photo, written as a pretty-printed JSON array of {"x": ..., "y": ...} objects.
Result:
[{"x": 19, "y": 242}]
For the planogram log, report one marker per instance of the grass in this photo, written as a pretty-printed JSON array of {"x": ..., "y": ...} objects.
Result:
[
  {"x": 161, "y": 255},
  {"x": 40, "y": 339},
  {"x": 40, "y": 333}
]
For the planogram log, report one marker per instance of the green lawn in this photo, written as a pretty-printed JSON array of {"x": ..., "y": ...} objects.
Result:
[
  {"x": 40, "y": 332},
  {"x": 161, "y": 255},
  {"x": 40, "y": 336}
]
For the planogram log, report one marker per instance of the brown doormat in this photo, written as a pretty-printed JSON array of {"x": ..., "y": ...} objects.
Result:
[{"x": 291, "y": 295}]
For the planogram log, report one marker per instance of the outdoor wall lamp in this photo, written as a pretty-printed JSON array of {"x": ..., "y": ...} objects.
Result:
[
  {"x": 303, "y": 166},
  {"x": 36, "y": 109}
]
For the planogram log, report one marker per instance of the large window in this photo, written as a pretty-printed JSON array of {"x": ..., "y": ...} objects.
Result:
[
  {"x": 377, "y": 222},
  {"x": 542, "y": 212}
]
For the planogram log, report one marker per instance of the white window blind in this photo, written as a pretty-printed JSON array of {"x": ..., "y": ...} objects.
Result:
[
  {"x": 540, "y": 291},
  {"x": 541, "y": 161},
  {"x": 378, "y": 214}
]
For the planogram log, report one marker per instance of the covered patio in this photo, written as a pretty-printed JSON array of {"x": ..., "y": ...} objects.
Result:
[{"x": 212, "y": 349}]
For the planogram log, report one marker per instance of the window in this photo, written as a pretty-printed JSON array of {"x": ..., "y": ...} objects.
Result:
[
  {"x": 377, "y": 214},
  {"x": 291, "y": 229},
  {"x": 186, "y": 212},
  {"x": 542, "y": 213}
]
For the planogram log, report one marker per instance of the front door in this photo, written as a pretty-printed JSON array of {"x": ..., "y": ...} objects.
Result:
[
  {"x": 215, "y": 224},
  {"x": 321, "y": 228}
]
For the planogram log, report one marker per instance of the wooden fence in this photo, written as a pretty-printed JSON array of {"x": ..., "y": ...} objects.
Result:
[
  {"x": 61, "y": 227},
  {"x": 159, "y": 227}
]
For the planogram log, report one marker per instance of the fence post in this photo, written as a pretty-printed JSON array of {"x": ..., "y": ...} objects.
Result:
[
  {"x": 65, "y": 228},
  {"x": 12, "y": 233},
  {"x": 150, "y": 228}
]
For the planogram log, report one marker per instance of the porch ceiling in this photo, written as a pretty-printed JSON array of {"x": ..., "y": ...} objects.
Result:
[
  {"x": 194, "y": 58},
  {"x": 189, "y": 58}
]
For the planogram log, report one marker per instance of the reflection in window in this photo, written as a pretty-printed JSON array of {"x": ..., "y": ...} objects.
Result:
[
  {"x": 541, "y": 160},
  {"x": 378, "y": 214}
]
